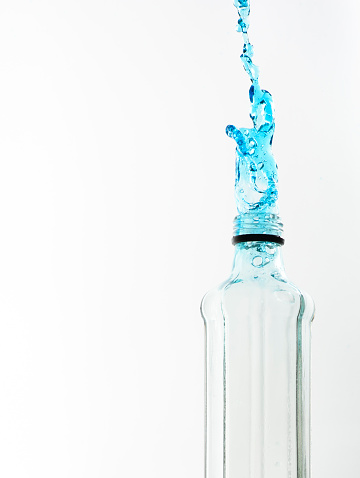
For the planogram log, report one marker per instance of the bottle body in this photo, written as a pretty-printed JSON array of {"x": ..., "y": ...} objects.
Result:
[{"x": 257, "y": 370}]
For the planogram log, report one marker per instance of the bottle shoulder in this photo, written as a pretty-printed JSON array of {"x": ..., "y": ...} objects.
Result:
[
  {"x": 211, "y": 303},
  {"x": 273, "y": 290}
]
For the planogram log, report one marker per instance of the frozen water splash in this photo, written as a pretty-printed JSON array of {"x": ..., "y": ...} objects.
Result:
[{"x": 256, "y": 170}]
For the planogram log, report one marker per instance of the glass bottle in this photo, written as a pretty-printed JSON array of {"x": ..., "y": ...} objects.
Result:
[{"x": 257, "y": 326}]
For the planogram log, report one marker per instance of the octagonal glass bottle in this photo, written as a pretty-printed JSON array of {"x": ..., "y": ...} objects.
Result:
[{"x": 257, "y": 327}]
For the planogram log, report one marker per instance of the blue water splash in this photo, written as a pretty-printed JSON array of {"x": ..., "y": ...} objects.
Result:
[{"x": 256, "y": 171}]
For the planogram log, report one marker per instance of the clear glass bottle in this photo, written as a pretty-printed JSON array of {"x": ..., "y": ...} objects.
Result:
[{"x": 257, "y": 327}]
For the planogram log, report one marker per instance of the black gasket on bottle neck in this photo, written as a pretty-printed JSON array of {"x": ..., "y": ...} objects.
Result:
[{"x": 258, "y": 238}]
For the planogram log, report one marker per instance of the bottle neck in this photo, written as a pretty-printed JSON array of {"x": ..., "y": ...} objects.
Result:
[{"x": 258, "y": 258}]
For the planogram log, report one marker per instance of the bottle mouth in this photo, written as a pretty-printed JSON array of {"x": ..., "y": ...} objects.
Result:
[{"x": 263, "y": 227}]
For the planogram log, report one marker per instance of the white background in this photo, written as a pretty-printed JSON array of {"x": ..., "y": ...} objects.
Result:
[{"x": 116, "y": 208}]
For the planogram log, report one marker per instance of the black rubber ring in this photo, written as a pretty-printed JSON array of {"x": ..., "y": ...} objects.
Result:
[{"x": 258, "y": 238}]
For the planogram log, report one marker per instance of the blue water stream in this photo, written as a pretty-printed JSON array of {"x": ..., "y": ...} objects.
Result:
[{"x": 256, "y": 170}]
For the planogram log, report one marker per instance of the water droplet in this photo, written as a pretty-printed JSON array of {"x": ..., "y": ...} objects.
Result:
[
  {"x": 270, "y": 249},
  {"x": 277, "y": 276},
  {"x": 257, "y": 261}
]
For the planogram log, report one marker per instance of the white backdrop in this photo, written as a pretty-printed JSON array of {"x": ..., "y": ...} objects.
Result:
[{"x": 116, "y": 208}]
